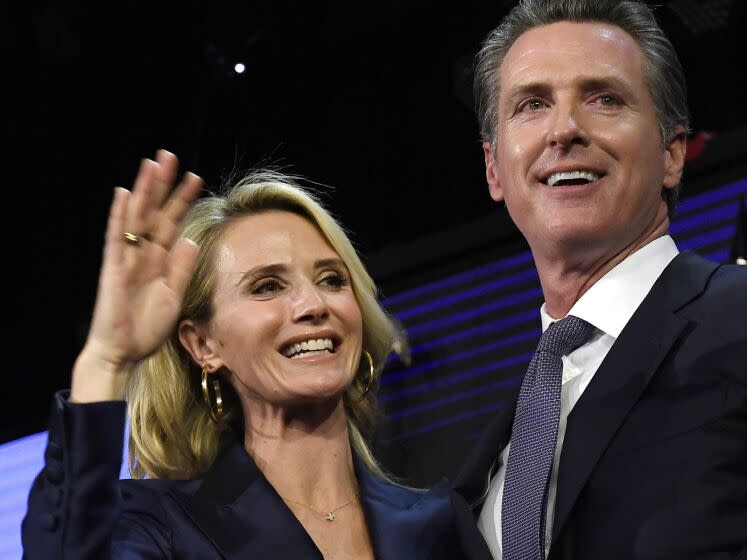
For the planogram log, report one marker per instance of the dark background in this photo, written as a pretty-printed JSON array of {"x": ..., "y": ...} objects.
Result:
[{"x": 371, "y": 98}]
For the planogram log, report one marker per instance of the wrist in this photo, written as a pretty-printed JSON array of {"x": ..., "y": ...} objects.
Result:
[{"x": 96, "y": 378}]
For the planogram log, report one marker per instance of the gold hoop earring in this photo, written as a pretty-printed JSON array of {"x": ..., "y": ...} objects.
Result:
[
  {"x": 371, "y": 377},
  {"x": 216, "y": 410}
]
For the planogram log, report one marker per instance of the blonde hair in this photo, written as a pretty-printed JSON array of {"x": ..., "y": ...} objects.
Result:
[{"x": 171, "y": 432}]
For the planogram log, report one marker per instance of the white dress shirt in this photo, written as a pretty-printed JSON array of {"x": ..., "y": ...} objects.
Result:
[{"x": 608, "y": 305}]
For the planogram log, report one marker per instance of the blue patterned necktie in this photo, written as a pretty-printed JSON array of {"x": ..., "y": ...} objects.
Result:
[{"x": 533, "y": 439}]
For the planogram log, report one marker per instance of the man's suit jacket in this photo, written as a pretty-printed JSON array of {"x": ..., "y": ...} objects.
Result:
[
  {"x": 654, "y": 463},
  {"x": 78, "y": 509}
]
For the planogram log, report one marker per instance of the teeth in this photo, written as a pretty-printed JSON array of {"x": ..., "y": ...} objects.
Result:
[
  {"x": 571, "y": 175},
  {"x": 312, "y": 345},
  {"x": 309, "y": 353}
]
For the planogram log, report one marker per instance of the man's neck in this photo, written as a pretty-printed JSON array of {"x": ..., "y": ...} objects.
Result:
[{"x": 565, "y": 279}]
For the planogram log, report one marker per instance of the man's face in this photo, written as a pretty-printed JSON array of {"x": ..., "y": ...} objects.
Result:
[{"x": 579, "y": 158}]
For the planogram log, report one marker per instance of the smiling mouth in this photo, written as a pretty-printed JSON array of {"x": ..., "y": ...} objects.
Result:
[
  {"x": 568, "y": 178},
  {"x": 311, "y": 347}
]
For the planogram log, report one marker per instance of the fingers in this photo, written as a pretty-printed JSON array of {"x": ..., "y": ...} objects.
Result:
[
  {"x": 114, "y": 240},
  {"x": 169, "y": 164},
  {"x": 151, "y": 212},
  {"x": 152, "y": 186},
  {"x": 181, "y": 265},
  {"x": 176, "y": 208},
  {"x": 114, "y": 245},
  {"x": 142, "y": 200}
]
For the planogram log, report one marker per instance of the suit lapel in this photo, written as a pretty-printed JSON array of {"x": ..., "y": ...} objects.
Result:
[
  {"x": 241, "y": 514},
  {"x": 624, "y": 375},
  {"x": 403, "y": 523}
]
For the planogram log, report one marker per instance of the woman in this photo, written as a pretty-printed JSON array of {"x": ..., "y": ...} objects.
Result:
[{"x": 248, "y": 340}]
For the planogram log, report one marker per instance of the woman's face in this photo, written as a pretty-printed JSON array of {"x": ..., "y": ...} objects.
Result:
[{"x": 286, "y": 327}]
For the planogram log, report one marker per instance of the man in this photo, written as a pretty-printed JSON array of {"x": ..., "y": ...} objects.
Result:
[{"x": 629, "y": 438}]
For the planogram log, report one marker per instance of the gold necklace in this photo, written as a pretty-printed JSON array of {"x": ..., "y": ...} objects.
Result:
[{"x": 330, "y": 515}]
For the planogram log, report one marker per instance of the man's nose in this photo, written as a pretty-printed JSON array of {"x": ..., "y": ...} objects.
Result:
[
  {"x": 309, "y": 304},
  {"x": 566, "y": 126}
]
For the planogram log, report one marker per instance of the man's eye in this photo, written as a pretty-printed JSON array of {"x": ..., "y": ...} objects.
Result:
[
  {"x": 534, "y": 104},
  {"x": 608, "y": 100}
]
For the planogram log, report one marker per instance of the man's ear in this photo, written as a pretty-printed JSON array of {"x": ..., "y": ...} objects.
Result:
[
  {"x": 199, "y": 344},
  {"x": 674, "y": 154},
  {"x": 491, "y": 172}
]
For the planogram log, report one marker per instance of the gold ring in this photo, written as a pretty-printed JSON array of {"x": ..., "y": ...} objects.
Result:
[
  {"x": 132, "y": 239},
  {"x": 135, "y": 240}
]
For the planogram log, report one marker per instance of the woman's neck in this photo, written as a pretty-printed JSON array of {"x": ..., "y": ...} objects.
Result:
[{"x": 304, "y": 452}]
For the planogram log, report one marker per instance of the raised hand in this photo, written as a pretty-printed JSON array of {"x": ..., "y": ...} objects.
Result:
[{"x": 144, "y": 273}]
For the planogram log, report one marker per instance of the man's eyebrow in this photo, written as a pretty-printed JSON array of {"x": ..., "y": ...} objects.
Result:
[
  {"x": 527, "y": 88},
  {"x": 585, "y": 83},
  {"x": 594, "y": 83}
]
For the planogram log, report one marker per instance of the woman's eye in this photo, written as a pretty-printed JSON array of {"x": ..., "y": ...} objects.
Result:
[
  {"x": 266, "y": 287},
  {"x": 334, "y": 280}
]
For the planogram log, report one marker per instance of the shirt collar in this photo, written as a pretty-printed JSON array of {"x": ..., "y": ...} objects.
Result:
[{"x": 611, "y": 301}]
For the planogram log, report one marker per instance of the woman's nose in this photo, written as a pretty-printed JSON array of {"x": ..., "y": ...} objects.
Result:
[{"x": 309, "y": 304}]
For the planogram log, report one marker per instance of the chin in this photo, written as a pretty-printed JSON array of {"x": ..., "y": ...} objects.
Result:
[
  {"x": 569, "y": 233},
  {"x": 325, "y": 387}
]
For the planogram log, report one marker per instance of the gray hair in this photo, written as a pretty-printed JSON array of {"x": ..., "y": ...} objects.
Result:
[{"x": 662, "y": 71}]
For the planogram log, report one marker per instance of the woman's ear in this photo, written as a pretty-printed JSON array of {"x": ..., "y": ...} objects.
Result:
[{"x": 199, "y": 344}]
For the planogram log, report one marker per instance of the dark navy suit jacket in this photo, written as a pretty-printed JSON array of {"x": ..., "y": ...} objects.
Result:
[
  {"x": 78, "y": 509},
  {"x": 654, "y": 462}
]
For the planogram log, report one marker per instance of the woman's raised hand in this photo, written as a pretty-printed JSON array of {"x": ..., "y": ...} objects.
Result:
[{"x": 144, "y": 273}]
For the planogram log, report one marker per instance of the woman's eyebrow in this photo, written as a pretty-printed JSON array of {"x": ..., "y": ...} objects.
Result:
[{"x": 261, "y": 270}]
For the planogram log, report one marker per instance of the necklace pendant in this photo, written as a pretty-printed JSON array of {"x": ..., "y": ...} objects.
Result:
[{"x": 330, "y": 516}]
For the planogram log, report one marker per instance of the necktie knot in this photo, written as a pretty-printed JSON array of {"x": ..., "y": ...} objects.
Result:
[{"x": 564, "y": 336}]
